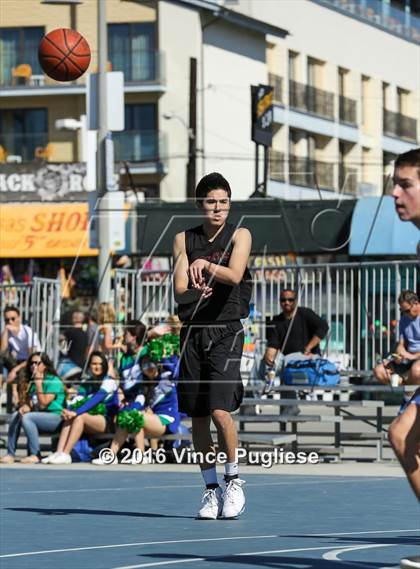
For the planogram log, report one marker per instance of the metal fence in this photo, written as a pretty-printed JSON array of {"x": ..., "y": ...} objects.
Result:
[
  {"x": 358, "y": 300},
  {"x": 39, "y": 304}
]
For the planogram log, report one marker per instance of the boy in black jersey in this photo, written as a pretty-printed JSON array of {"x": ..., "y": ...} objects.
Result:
[{"x": 210, "y": 263}]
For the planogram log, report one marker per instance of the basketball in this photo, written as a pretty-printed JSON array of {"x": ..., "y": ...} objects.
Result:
[{"x": 64, "y": 54}]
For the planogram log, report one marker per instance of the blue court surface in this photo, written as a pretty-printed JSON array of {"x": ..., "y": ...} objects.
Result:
[{"x": 132, "y": 519}]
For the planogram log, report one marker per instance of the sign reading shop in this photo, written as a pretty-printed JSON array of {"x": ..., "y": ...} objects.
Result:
[{"x": 43, "y": 182}]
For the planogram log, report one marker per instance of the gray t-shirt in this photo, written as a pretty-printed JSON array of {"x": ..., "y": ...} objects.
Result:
[{"x": 410, "y": 331}]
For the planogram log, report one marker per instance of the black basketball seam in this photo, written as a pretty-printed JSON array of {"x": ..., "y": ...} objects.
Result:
[{"x": 65, "y": 55}]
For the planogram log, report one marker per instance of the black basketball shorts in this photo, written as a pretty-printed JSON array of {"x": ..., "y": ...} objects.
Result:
[{"x": 210, "y": 376}]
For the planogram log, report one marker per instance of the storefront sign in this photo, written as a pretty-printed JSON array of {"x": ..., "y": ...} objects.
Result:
[
  {"x": 43, "y": 182},
  {"x": 59, "y": 230}
]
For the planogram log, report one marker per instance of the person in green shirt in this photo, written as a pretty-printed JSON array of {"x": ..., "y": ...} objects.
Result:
[{"x": 41, "y": 401}]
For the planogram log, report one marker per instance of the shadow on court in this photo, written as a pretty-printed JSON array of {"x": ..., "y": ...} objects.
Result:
[
  {"x": 399, "y": 539},
  {"x": 277, "y": 562},
  {"x": 70, "y": 511}
]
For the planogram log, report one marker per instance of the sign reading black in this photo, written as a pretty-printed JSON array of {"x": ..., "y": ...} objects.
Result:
[{"x": 262, "y": 114}]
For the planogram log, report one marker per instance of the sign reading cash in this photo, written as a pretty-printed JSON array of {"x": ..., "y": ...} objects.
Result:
[{"x": 262, "y": 114}]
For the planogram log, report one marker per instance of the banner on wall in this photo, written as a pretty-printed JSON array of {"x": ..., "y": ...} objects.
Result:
[{"x": 45, "y": 230}]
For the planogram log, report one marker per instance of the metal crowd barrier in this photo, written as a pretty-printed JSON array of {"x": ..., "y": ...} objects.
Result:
[
  {"x": 39, "y": 303},
  {"x": 358, "y": 300}
]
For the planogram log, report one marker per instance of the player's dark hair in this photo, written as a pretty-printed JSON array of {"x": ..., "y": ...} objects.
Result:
[
  {"x": 410, "y": 158},
  {"x": 408, "y": 296},
  {"x": 213, "y": 181}
]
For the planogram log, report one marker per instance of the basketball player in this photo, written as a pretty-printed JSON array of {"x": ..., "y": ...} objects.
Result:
[
  {"x": 404, "y": 431},
  {"x": 209, "y": 282}
]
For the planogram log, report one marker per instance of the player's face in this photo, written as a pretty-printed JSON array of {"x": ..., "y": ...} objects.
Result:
[
  {"x": 216, "y": 206},
  {"x": 406, "y": 193}
]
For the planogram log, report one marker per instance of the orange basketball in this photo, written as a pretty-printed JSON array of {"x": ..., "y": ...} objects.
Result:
[{"x": 64, "y": 54}]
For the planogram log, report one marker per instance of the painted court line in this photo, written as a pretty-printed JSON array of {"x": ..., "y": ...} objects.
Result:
[
  {"x": 171, "y": 486},
  {"x": 216, "y": 557},
  {"x": 71, "y": 549},
  {"x": 333, "y": 554},
  {"x": 120, "y": 545},
  {"x": 359, "y": 532}
]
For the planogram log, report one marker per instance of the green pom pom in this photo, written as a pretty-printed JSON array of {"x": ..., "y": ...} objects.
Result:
[
  {"x": 131, "y": 421},
  {"x": 99, "y": 409},
  {"x": 166, "y": 346}
]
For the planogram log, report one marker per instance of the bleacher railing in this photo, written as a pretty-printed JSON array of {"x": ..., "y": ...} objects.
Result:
[
  {"x": 358, "y": 300},
  {"x": 39, "y": 303}
]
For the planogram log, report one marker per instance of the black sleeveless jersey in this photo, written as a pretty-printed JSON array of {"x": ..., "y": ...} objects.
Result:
[{"x": 227, "y": 302}]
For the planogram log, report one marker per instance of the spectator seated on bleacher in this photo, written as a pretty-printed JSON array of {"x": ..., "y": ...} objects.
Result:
[
  {"x": 295, "y": 333},
  {"x": 74, "y": 340},
  {"x": 405, "y": 362},
  {"x": 18, "y": 342},
  {"x": 41, "y": 402},
  {"x": 165, "y": 348},
  {"x": 128, "y": 359},
  {"x": 91, "y": 412},
  {"x": 154, "y": 413}
]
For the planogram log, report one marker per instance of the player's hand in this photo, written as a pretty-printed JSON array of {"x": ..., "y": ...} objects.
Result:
[
  {"x": 195, "y": 272},
  {"x": 206, "y": 291}
]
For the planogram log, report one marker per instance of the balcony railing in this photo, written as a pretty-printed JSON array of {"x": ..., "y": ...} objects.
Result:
[
  {"x": 399, "y": 125},
  {"x": 276, "y": 166},
  {"x": 347, "y": 179},
  {"x": 24, "y": 147},
  {"x": 311, "y": 173},
  {"x": 140, "y": 146},
  {"x": 381, "y": 14},
  {"x": 347, "y": 110},
  {"x": 138, "y": 66},
  {"x": 277, "y": 83},
  {"x": 310, "y": 99}
]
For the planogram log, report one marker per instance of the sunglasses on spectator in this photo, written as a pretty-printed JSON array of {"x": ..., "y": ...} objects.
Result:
[
  {"x": 36, "y": 362},
  {"x": 11, "y": 319},
  {"x": 288, "y": 299}
]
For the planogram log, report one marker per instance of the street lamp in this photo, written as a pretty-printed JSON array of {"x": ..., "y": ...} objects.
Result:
[
  {"x": 170, "y": 116},
  {"x": 192, "y": 153}
]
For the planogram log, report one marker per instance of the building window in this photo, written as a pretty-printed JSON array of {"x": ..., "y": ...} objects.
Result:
[
  {"x": 139, "y": 142},
  {"x": 293, "y": 64},
  {"x": 132, "y": 49},
  {"x": 315, "y": 72},
  {"x": 365, "y": 98},
  {"x": 18, "y": 46},
  {"x": 402, "y": 101},
  {"x": 22, "y": 131},
  {"x": 385, "y": 95}
]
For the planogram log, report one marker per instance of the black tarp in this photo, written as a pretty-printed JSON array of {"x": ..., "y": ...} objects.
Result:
[{"x": 277, "y": 226}]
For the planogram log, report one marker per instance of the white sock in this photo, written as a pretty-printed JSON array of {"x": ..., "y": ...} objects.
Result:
[
  {"x": 209, "y": 475},
  {"x": 231, "y": 468}
]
